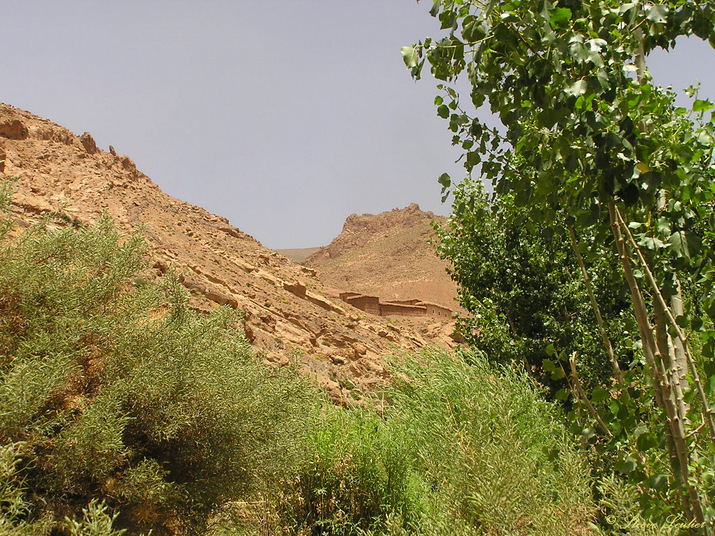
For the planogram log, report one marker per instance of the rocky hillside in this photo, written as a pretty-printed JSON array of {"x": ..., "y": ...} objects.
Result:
[
  {"x": 289, "y": 314},
  {"x": 387, "y": 255}
]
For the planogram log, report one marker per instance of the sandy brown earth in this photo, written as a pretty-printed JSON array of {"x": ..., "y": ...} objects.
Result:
[
  {"x": 289, "y": 313},
  {"x": 390, "y": 255}
]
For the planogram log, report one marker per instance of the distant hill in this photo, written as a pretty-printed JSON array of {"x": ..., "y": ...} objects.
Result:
[
  {"x": 389, "y": 255},
  {"x": 298, "y": 255}
]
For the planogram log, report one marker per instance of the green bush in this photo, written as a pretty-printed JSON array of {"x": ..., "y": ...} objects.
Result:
[
  {"x": 125, "y": 402},
  {"x": 461, "y": 449},
  {"x": 494, "y": 452},
  {"x": 359, "y": 477}
]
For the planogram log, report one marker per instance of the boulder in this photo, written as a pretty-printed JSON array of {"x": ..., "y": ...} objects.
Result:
[
  {"x": 298, "y": 289},
  {"x": 88, "y": 143}
]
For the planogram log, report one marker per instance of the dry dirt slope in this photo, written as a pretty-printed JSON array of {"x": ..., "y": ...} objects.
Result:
[
  {"x": 288, "y": 312},
  {"x": 389, "y": 255}
]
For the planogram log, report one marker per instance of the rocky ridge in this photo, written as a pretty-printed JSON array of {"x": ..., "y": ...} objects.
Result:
[
  {"x": 289, "y": 314},
  {"x": 389, "y": 255}
]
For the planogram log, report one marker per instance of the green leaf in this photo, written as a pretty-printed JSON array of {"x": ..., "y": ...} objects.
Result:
[
  {"x": 603, "y": 80},
  {"x": 577, "y": 88},
  {"x": 473, "y": 158},
  {"x": 435, "y": 7},
  {"x": 597, "y": 45},
  {"x": 697, "y": 324},
  {"x": 684, "y": 244},
  {"x": 682, "y": 321},
  {"x": 646, "y": 442},
  {"x": 409, "y": 56},
  {"x": 559, "y": 17},
  {"x": 474, "y": 30},
  {"x": 702, "y": 105},
  {"x": 614, "y": 406},
  {"x": 640, "y": 430},
  {"x": 599, "y": 394},
  {"x": 650, "y": 242},
  {"x": 562, "y": 394},
  {"x": 588, "y": 433},
  {"x": 549, "y": 366},
  {"x": 629, "y": 465},
  {"x": 445, "y": 180},
  {"x": 658, "y": 482},
  {"x": 709, "y": 306},
  {"x": 579, "y": 51},
  {"x": 658, "y": 14},
  {"x": 443, "y": 111},
  {"x": 709, "y": 386}
]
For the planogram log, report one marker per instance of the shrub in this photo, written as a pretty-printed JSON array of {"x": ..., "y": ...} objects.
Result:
[
  {"x": 359, "y": 477},
  {"x": 461, "y": 449},
  {"x": 493, "y": 451},
  {"x": 129, "y": 406}
]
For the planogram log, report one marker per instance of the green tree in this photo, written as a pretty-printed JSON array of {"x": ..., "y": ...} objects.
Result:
[
  {"x": 522, "y": 286},
  {"x": 588, "y": 144}
]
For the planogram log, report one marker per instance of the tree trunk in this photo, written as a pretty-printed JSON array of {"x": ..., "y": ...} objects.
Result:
[
  {"x": 659, "y": 354},
  {"x": 681, "y": 361}
]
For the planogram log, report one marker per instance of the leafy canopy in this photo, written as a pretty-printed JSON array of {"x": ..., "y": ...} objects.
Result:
[
  {"x": 590, "y": 147},
  {"x": 581, "y": 122}
]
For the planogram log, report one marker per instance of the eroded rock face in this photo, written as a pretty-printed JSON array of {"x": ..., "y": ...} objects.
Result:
[
  {"x": 128, "y": 164},
  {"x": 13, "y": 129},
  {"x": 288, "y": 314}
]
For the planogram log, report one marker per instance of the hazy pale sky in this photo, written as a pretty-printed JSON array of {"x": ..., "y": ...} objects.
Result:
[{"x": 285, "y": 116}]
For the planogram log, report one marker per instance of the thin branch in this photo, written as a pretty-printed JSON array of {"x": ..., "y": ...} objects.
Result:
[
  {"x": 618, "y": 374},
  {"x": 582, "y": 395}
]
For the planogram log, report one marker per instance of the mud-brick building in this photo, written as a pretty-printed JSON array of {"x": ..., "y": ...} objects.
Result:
[
  {"x": 401, "y": 309},
  {"x": 411, "y": 308},
  {"x": 437, "y": 311},
  {"x": 369, "y": 304}
]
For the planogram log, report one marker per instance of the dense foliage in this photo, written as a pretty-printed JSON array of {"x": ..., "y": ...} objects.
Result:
[
  {"x": 440, "y": 460},
  {"x": 522, "y": 286},
  {"x": 592, "y": 151},
  {"x": 114, "y": 395},
  {"x": 123, "y": 412}
]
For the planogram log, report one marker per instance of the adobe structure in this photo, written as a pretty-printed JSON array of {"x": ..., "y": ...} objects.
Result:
[{"x": 413, "y": 308}]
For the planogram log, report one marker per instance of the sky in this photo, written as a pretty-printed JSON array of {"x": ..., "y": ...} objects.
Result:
[{"x": 284, "y": 116}]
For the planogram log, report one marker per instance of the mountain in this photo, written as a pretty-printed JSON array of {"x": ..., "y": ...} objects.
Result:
[
  {"x": 289, "y": 313},
  {"x": 389, "y": 255}
]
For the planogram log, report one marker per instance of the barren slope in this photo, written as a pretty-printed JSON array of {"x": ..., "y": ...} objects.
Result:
[
  {"x": 387, "y": 255},
  {"x": 289, "y": 314}
]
